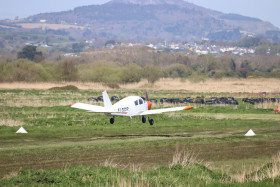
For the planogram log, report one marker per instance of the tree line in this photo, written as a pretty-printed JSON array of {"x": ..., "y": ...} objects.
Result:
[{"x": 128, "y": 65}]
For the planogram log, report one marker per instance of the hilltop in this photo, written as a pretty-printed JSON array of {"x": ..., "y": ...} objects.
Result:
[{"x": 157, "y": 19}]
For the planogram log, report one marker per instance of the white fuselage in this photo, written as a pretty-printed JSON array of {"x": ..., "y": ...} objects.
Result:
[{"x": 129, "y": 106}]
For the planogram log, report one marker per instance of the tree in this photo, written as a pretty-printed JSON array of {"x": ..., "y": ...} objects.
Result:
[
  {"x": 68, "y": 71},
  {"x": 78, "y": 47},
  {"x": 275, "y": 49},
  {"x": 131, "y": 73},
  {"x": 261, "y": 49},
  {"x": 243, "y": 72},
  {"x": 246, "y": 64},
  {"x": 110, "y": 42},
  {"x": 250, "y": 42},
  {"x": 183, "y": 60},
  {"x": 232, "y": 65},
  {"x": 30, "y": 52},
  {"x": 245, "y": 68},
  {"x": 176, "y": 70},
  {"x": 152, "y": 73}
]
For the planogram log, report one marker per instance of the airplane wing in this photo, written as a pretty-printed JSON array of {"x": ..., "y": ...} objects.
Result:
[
  {"x": 159, "y": 111},
  {"x": 92, "y": 108}
]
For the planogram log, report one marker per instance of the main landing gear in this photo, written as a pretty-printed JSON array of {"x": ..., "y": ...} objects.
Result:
[
  {"x": 151, "y": 121},
  {"x": 112, "y": 120},
  {"x": 144, "y": 119}
]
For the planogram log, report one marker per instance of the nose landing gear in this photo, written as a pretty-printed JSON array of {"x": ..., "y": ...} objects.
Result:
[{"x": 112, "y": 120}]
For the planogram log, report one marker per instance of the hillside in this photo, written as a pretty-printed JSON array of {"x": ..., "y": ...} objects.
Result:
[{"x": 156, "y": 19}]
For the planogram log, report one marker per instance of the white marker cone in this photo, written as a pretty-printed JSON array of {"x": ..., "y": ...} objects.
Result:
[
  {"x": 250, "y": 133},
  {"x": 21, "y": 131}
]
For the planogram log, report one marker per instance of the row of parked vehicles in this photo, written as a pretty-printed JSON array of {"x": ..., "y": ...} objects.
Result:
[
  {"x": 211, "y": 101},
  {"x": 261, "y": 100}
]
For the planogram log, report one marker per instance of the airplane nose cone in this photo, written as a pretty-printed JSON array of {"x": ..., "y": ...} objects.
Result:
[{"x": 149, "y": 105}]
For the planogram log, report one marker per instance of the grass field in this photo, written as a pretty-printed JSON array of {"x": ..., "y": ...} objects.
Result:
[{"x": 203, "y": 146}]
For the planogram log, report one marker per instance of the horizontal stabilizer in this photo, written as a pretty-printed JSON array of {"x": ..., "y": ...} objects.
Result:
[{"x": 88, "y": 107}]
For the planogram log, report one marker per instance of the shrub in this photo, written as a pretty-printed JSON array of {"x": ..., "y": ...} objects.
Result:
[
  {"x": 152, "y": 73},
  {"x": 177, "y": 71},
  {"x": 67, "y": 71},
  {"x": 131, "y": 73},
  {"x": 6, "y": 71},
  {"x": 65, "y": 88},
  {"x": 25, "y": 70},
  {"x": 100, "y": 71}
]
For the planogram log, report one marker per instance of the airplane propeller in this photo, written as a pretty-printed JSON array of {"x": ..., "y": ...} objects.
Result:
[
  {"x": 147, "y": 99},
  {"x": 151, "y": 121}
]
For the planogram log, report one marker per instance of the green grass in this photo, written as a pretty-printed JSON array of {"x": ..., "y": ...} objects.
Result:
[
  {"x": 195, "y": 175},
  {"x": 61, "y": 139},
  {"x": 108, "y": 176}
]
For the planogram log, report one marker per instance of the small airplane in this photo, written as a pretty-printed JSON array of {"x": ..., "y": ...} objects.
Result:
[{"x": 130, "y": 106}]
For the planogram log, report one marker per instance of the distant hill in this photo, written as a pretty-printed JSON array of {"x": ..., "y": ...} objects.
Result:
[{"x": 157, "y": 19}]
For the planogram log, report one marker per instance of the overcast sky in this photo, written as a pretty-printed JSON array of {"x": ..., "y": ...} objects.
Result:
[{"x": 267, "y": 10}]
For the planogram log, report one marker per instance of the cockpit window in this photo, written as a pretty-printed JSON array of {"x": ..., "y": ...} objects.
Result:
[
  {"x": 136, "y": 102},
  {"x": 140, "y": 101}
]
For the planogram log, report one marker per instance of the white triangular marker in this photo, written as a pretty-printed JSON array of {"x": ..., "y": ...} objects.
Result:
[
  {"x": 250, "y": 133},
  {"x": 22, "y": 130}
]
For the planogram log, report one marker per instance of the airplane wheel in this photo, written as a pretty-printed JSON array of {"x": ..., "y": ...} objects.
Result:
[
  {"x": 112, "y": 120},
  {"x": 151, "y": 121},
  {"x": 143, "y": 119}
]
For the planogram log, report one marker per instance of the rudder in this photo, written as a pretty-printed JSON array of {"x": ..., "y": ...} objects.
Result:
[{"x": 106, "y": 100}]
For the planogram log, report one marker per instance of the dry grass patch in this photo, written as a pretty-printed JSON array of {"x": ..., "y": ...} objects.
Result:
[
  {"x": 268, "y": 105},
  {"x": 45, "y": 99},
  {"x": 110, "y": 163},
  {"x": 252, "y": 86},
  {"x": 49, "y": 85},
  {"x": 185, "y": 159},
  {"x": 40, "y": 103},
  {"x": 11, "y": 175},
  {"x": 223, "y": 85},
  {"x": 10, "y": 123}
]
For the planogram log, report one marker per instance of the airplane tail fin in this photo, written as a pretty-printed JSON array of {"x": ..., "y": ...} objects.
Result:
[{"x": 106, "y": 99}]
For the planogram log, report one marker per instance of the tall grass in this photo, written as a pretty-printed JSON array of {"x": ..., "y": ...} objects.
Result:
[
  {"x": 184, "y": 159},
  {"x": 184, "y": 170},
  {"x": 252, "y": 86},
  {"x": 269, "y": 171},
  {"x": 268, "y": 105}
]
